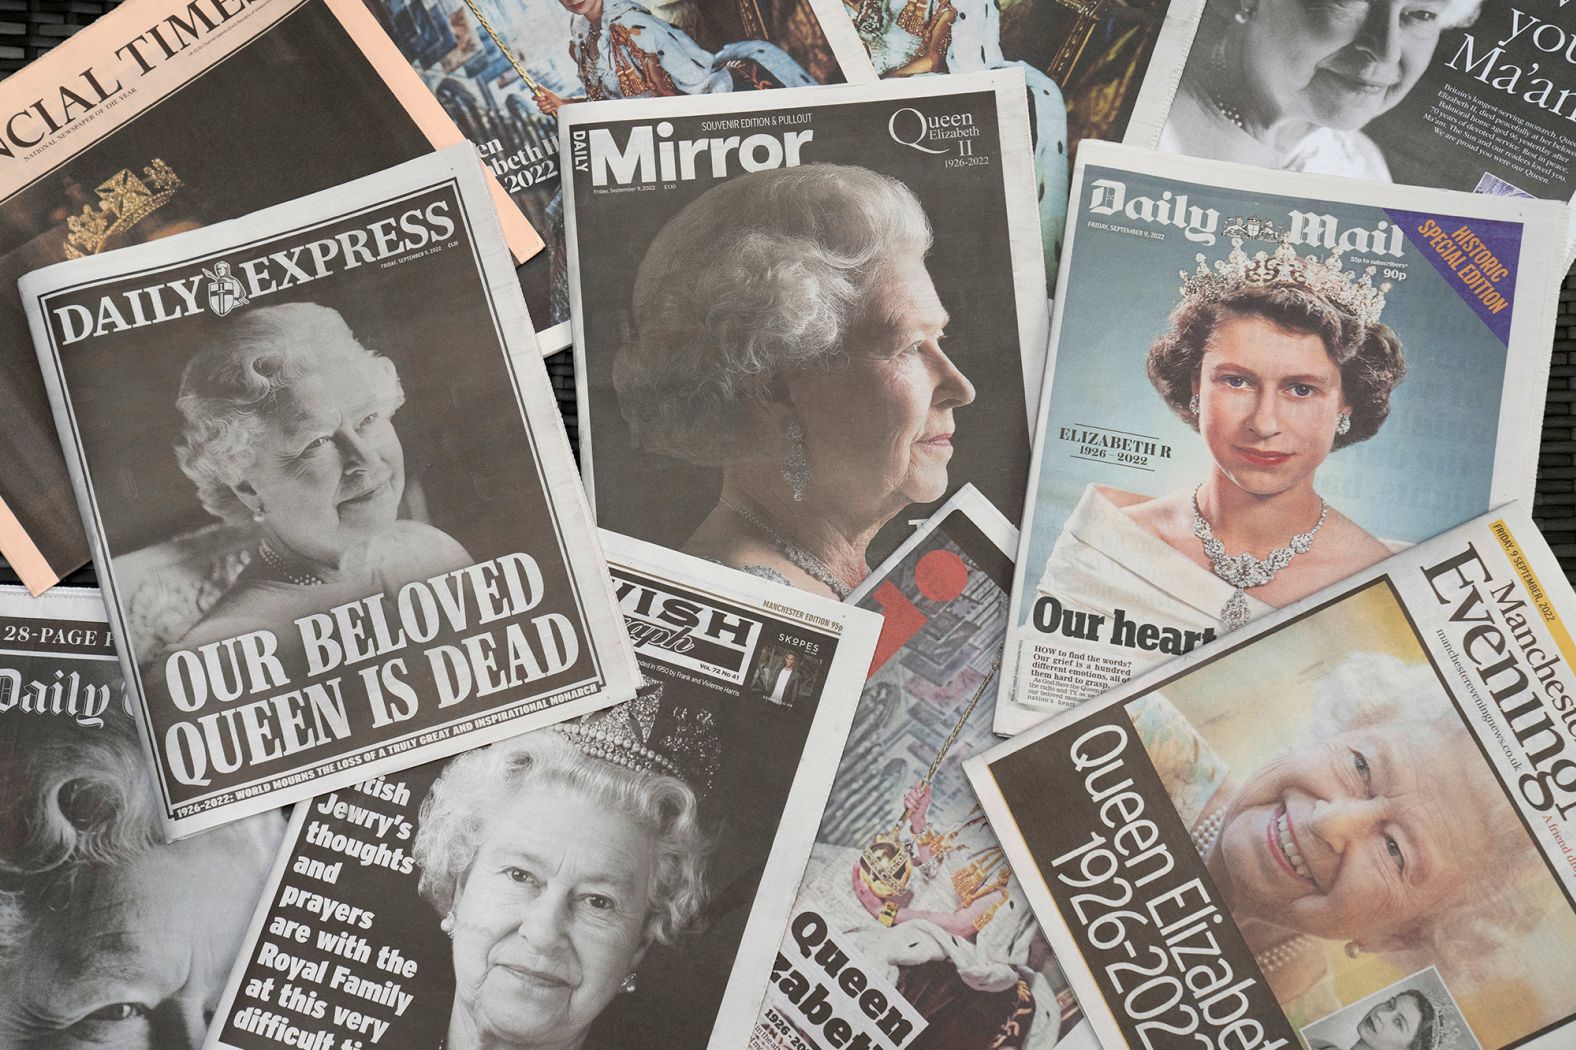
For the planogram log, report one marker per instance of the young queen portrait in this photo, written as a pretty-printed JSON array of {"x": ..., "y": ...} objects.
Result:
[{"x": 1276, "y": 361}]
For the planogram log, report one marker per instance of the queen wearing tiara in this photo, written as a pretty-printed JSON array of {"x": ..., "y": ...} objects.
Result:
[
  {"x": 556, "y": 859},
  {"x": 1277, "y": 361}
]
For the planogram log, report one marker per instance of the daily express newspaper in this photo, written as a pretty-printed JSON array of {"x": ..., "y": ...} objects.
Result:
[
  {"x": 804, "y": 317},
  {"x": 110, "y": 937},
  {"x": 1347, "y": 825},
  {"x": 163, "y": 116},
  {"x": 909, "y": 930},
  {"x": 1086, "y": 64},
  {"x": 1475, "y": 95},
  {"x": 616, "y": 882},
  {"x": 502, "y": 69},
  {"x": 338, "y": 534},
  {"x": 1305, "y": 375}
]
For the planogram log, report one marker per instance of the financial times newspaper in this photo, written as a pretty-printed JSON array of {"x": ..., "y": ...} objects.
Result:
[
  {"x": 1474, "y": 95},
  {"x": 505, "y": 91},
  {"x": 1086, "y": 65},
  {"x": 616, "y": 882},
  {"x": 804, "y": 316},
  {"x": 1306, "y": 376},
  {"x": 82, "y": 871},
  {"x": 338, "y": 535},
  {"x": 909, "y": 930},
  {"x": 161, "y": 117},
  {"x": 1349, "y": 825}
]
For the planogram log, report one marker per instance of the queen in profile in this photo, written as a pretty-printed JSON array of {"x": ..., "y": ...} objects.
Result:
[{"x": 1276, "y": 361}]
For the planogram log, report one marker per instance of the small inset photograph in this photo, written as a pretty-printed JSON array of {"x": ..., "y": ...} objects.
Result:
[
  {"x": 786, "y": 672},
  {"x": 1414, "y": 1013}
]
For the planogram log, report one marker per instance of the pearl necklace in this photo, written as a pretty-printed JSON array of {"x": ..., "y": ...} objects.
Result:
[
  {"x": 1244, "y": 570},
  {"x": 281, "y": 567},
  {"x": 1276, "y": 956},
  {"x": 813, "y": 566}
]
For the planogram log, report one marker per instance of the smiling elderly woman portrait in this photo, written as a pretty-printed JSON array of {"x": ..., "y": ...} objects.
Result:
[
  {"x": 289, "y": 425},
  {"x": 1274, "y": 373},
  {"x": 1380, "y": 831},
  {"x": 109, "y": 937},
  {"x": 786, "y": 330},
  {"x": 1291, "y": 83},
  {"x": 556, "y": 860}
]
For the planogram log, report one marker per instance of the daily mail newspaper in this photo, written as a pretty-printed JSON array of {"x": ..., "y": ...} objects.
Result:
[
  {"x": 503, "y": 68},
  {"x": 1086, "y": 65},
  {"x": 110, "y": 937},
  {"x": 338, "y": 534},
  {"x": 1349, "y": 825},
  {"x": 804, "y": 317},
  {"x": 1305, "y": 376},
  {"x": 909, "y": 930},
  {"x": 163, "y": 116},
  {"x": 614, "y": 882},
  {"x": 1475, "y": 95}
]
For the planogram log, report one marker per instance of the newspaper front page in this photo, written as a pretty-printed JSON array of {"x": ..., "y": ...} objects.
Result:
[
  {"x": 1475, "y": 95},
  {"x": 1348, "y": 825},
  {"x": 338, "y": 534},
  {"x": 1306, "y": 376},
  {"x": 804, "y": 317},
  {"x": 503, "y": 70},
  {"x": 614, "y": 882},
  {"x": 83, "y": 875},
  {"x": 1086, "y": 65},
  {"x": 161, "y": 117},
  {"x": 909, "y": 930}
]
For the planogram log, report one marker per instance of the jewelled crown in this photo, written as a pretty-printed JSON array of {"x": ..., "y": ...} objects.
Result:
[
  {"x": 1357, "y": 294},
  {"x": 649, "y": 736},
  {"x": 124, "y": 201}
]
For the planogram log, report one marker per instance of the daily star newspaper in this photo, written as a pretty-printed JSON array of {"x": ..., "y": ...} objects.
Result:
[
  {"x": 338, "y": 534},
  {"x": 1476, "y": 95},
  {"x": 802, "y": 313},
  {"x": 1306, "y": 375},
  {"x": 909, "y": 930},
  {"x": 1348, "y": 825},
  {"x": 83, "y": 873},
  {"x": 163, "y": 116},
  {"x": 616, "y": 882},
  {"x": 503, "y": 69}
]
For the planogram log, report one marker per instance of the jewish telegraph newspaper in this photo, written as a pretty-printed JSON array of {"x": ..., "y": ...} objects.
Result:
[
  {"x": 909, "y": 930},
  {"x": 163, "y": 116},
  {"x": 1349, "y": 825},
  {"x": 82, "y": 870},
  {"x": 619, "y": 881},
  {"x": 1306, "y": 375},
  {"x": 801, "y": 308},
  {"x": 1475, "y": 95},
  {"x": 503, "y": 70},
  {"x": 338, "y": 534}
]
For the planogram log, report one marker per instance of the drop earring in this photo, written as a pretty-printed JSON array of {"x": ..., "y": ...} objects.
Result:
[
  {"x": 258, "y": 514},
  {"x": 629, "y": 983},
  {"x": 1243, "y": 14},
  {"x": 1353, "y": 949},
  {"x": 447, "y": 925},
  {"x": 1343, "y": 423},
  {"x": 1192, "y": 406},
  {"x": 796, "y": 466}
]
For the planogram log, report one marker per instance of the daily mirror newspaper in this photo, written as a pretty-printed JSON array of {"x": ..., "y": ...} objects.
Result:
[
  {"x": 1475, "y": 95},
  {"x": 1086, "y": 64},
  {"x": 163, "y": 116},
  {"x": 110, "y": 937},
  {"x": 338, "y": 534},
  {"x": 1306, "y": 375},
  {"x": 909, "y": 930},
  {"x": 503, "y": 69},
  {"x": 614, "y": 882},
  {"x": 804, "y": 317},
  {"x": 1349, "y": 824}
]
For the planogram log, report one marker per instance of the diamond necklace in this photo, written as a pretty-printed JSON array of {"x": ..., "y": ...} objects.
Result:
[
  {"x": 1244, "y": 570},
  {"x": 812, "y": 565}
]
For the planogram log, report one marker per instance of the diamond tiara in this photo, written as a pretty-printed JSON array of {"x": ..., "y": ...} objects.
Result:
[
  {"x": 1357, "y": 295},
  {"x": 124, "y": 201},
  {"x": 647, "y": 735}
]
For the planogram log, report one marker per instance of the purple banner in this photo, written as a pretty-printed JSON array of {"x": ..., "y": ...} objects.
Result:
[{"x": 1476, "y": 257}]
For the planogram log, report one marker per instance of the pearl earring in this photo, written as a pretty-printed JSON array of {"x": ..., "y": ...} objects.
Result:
[
  {"x": 1243, "y": 13},
  {"x": 629, "y": 983},
  {"x": 1353, "y": 949},
  {"x": 447, "y": 925},
  {"x": 258, "y": 514}
]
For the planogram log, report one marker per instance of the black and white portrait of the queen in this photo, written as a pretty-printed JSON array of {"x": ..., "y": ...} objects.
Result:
[{"x": 1415, "y": 1013}]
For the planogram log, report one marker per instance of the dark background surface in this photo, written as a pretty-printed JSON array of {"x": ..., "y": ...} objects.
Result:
[{"x": 28, "y": 28}]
